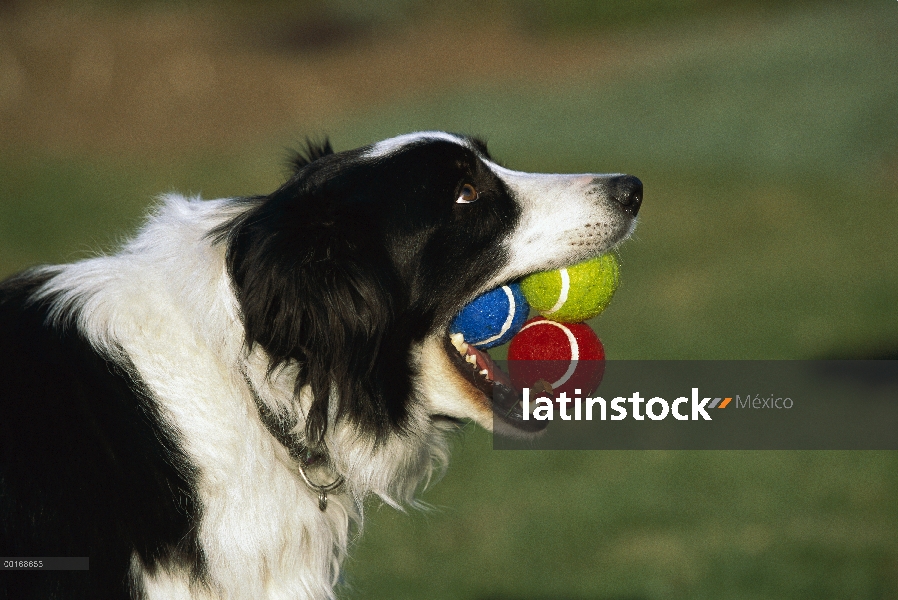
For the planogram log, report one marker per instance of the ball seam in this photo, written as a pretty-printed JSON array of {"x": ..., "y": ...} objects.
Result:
[
  {"x": 512, "y": 307},
  {"x": 575, "y": 350},
  {"x": 563, "y": 293}
]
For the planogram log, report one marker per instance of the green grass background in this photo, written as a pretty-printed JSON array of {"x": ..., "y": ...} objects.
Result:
[{"x": 768, "y": 146}]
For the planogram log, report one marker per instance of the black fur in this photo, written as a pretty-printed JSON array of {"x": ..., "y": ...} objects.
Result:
[
  {"x": 87, "y": 467},
  {"x": 353, "y": 260},
  {"x": 312, "y": 152},
  {"x": 344, "y": 268}
]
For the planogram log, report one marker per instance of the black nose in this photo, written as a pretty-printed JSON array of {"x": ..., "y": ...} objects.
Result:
[{"x": 626, "y": 191}]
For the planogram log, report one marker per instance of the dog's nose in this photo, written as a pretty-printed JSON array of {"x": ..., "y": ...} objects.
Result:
[{"x": 626, "y": 191}]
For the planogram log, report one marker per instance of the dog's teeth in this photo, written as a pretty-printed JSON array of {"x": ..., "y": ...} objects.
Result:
[
  {"x": 485, "y": 373},
  {"x": 458, "y": 340},
  {"x": 471, "y": 359}
]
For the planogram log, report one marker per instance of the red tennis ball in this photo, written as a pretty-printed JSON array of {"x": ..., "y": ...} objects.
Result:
[{"x": 567, "y": 356}]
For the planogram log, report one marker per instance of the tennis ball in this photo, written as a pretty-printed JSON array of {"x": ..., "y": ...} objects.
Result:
[
  {"x": 492, "y": 318},
  {"x": 566, "y": 356},
  {"x": 573, "y": 294}
]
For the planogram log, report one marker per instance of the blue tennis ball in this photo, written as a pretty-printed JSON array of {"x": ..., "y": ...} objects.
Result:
[{"x": 492, "y": 318}]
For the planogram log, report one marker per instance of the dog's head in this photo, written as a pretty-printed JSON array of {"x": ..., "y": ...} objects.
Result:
[{"x": 354, "y": 268}]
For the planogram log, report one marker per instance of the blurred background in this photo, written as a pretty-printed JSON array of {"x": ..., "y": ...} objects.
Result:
[{"x": 767, "y": 139}]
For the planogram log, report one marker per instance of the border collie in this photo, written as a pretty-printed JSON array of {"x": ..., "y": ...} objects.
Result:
[{"x": 203, "y": 413}]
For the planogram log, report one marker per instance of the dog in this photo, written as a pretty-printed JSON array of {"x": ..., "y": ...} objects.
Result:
[{"x": 203, "y": 413}]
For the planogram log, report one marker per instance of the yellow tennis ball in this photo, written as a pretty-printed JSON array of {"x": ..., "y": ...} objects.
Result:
[{"x": 576, "y": 293}]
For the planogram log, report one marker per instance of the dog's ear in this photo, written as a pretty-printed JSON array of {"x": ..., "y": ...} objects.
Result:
[
  {"x": 317, "y": 287},
  {"x": 305, "y": 156}
]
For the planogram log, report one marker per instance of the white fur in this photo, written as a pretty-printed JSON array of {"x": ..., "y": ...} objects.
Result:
[
  {"x": 388, "y": 146},
  {"x": 166, "y": 301},
  {"x": 566, "y": 219}
]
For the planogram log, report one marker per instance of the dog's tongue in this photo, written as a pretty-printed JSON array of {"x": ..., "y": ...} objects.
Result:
[{"x": 493, "y": 372}]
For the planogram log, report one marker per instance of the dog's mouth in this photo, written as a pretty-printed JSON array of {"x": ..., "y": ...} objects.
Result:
[{"x": 479, "y": 369}]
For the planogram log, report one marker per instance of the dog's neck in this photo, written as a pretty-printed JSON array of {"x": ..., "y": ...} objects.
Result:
[{"x": 249, "y": 486}]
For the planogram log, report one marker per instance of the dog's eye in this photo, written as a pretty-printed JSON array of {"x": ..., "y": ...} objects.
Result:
[{"x": 467, "y": 194}]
